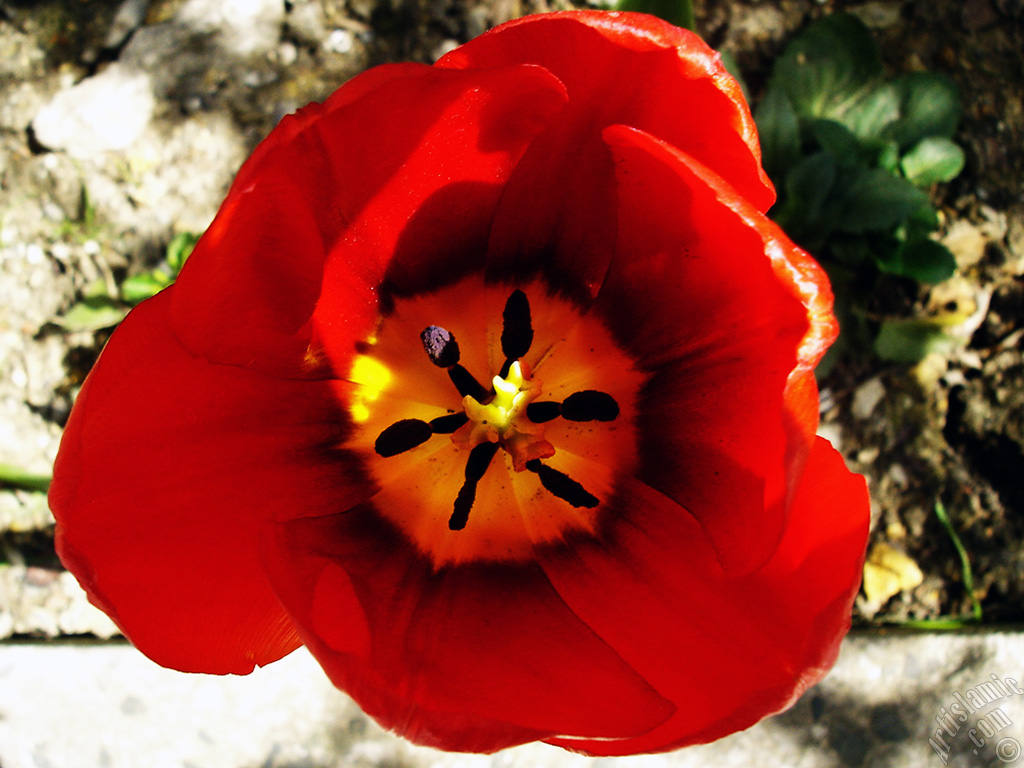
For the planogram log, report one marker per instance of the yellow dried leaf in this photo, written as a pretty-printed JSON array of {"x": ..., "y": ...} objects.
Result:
[{"x": 888, "y": 572}]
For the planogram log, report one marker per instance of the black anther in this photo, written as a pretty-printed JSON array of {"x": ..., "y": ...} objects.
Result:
[
  {"x": 589, "y": 405},
  {"x": 562, "y": 486},
  {"x": 440, "y": 345},
  {"x": 445, "y": 425},
  {"x": 538, "y": 413},
  {"x": 402, "y": 436},
  {"x": 516, "y": 329}
]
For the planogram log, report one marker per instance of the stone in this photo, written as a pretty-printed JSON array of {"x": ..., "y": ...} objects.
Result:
[
  {"x": 244, "y": 27},
  {"x": 885, "y": 703},
  {"x": 106, "y": 112},
  {"x": 867, "y": 397}
]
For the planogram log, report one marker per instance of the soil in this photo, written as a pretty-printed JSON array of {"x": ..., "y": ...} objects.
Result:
[{"x": 947, "y": 432}]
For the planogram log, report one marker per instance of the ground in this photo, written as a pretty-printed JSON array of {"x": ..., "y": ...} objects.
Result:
[{"x": 189, "y": 88}]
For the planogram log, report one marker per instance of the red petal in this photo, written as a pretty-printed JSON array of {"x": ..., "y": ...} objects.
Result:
[
  {"x": 727, "y": 650},
  {"x": 468, "y": 658},
  {"x": 393, "y": 180},
  {"x": 640, "y": 71},
  {"x": 557, "y": 214},
  {"x": 167, "y": 466},
  {"x": 695, "y": 296}
]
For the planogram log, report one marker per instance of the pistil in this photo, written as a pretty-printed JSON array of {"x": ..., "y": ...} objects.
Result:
[{"x": 504, "y": 419}]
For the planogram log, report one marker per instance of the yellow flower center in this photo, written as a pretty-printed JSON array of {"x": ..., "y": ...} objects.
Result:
[{"x": 473, "y": 472}]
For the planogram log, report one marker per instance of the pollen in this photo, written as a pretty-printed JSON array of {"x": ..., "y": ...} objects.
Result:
[
  {"x": 504, "y": 419},
  {"x": 373, "y": 378}
]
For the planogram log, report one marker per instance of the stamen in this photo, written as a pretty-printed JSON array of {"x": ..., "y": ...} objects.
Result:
[
  {"x": 440, "y": 345},
  {"x": 442, "y": 349},
  {"x": 502, "y": 417},
  {"x": 516, "y": 329},
  {"x": 402, "y": 436},
  {"x": 539, "y": 413},
  {"x": 562, "y": 486},
  {"x": 590, "y": 405},
  {"x": 476, "y": 466},
  {"x": 467, "y": 384},
  {"x": 445, "y": 425},
  {"x": 406, "y": 434}
]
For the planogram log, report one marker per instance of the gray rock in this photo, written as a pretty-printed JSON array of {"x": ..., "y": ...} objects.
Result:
[
  {"x": 243, "y": 27},
  {"x": 885, "y": 705},
  {"x": 129, "y": 16},
  {"x": 106, "y": 112}
]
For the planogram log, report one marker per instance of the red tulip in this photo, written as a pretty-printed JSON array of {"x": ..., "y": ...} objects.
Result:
[{"x": 491, "y": 383}]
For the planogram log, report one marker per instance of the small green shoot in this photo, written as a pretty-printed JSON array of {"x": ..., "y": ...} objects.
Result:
[
  {"x": 98, "y": 309},
  {"x": 16, "y": 478},
  {"x": 85, "y": 225},
  {"x": 965, "y": 563},
  {"x": 933, "y": 625}
]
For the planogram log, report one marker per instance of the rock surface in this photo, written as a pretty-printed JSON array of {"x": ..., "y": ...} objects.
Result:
[{"x": 885, "y": 706}]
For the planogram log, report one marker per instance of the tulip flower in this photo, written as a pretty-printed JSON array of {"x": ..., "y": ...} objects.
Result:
[{"x": 492, "y": 384}]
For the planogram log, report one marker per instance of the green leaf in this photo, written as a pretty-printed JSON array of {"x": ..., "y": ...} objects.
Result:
[
  {"x": 909, "y": 341},
  {"x": 869, "y": 116},
  {"x": 140, "y": 287},
  {"x": 179, "y": 249},
  {"x": 923, "y": 260},
  {"x": 808, "y": 185},
  {"x": 16, "y": 477},
  {"x": 930, "y": 106},
  {"x": 837, "y": 139},
  {"x": 922, "y": 221},
  {"x": 829, "y": 67},
  {"x": 851, "y": 251},
  {"x": 779, "y": 130},
  {"x": 92, "y": 314},
  {"x": 873, "y": 199},
  {"x": 888, "y": 156},
  {"x": 933, "y": 160}
]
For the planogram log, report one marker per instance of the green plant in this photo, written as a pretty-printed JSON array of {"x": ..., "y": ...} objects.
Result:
[
  {"x": 140, "y": 287},
  {"x": 85, "y": 225},
  {"x": 15, "y": 478},
  {"x": 852, "y": 155},
  {"x": 965, "y": 563},
  {"x": 98, "y": 309}
]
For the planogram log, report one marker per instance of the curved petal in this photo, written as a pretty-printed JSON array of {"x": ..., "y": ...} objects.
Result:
[
  {"x": 469, "y": 658},
  {"x": 557, "y": 212},
  {"x": 637, "y": 70},
  {"x": 728, "y": 650},
  {"x": 167, "y": 466},
  {"x": 694, "y": 296},
  {"x": 313, "y": 223}
]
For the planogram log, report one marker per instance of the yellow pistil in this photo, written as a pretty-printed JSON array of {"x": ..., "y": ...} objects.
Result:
[{"x": 503, "y": 419}]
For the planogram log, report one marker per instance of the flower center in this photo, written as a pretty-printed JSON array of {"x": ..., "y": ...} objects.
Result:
[
  {"x": 527, "y": 459},
  {"x": 505, "y": 419}
]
